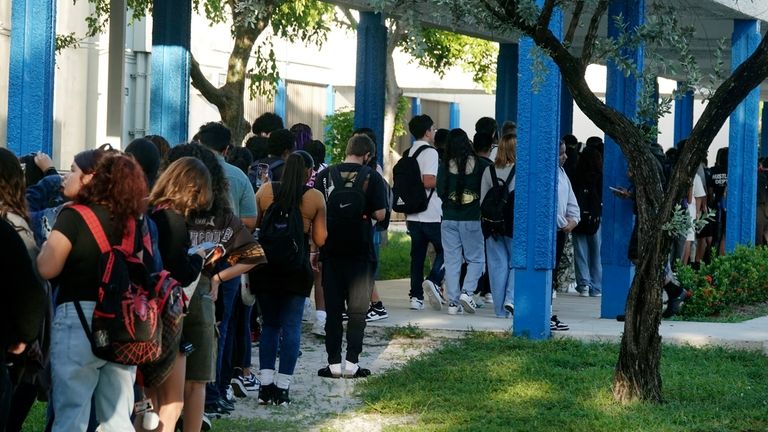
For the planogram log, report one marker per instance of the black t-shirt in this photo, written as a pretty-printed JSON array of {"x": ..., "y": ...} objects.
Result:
[
  {"x": 718, "y": 182},
  {"x": 173, "y": 241},
  {"x": 79, "y": 279},
  {"x": 375, "y": 190}
]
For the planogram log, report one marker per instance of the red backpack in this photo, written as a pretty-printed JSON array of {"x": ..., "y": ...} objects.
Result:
[{"x": 127, "y": 320}]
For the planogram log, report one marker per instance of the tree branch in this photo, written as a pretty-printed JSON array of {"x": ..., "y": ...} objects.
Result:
[
  {"x": 350, "y": 17},
  {"x": 545, "y": 17},
  {"x": 201, "y": 83},
  {"x": 574, "y": 24},
  {"x": 594, "y": 25}
]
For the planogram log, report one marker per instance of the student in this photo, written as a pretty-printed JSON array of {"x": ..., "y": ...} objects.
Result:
[
  {"x": 348, "y": 254},
  {"x": 267, "y": 123},
  {"x": 588, "y": 188},
  {"x": 281, "y": 293}
]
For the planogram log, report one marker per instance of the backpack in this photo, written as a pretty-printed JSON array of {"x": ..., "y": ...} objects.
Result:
[
  {"x": 282, "y": 237},
  {"x": 349, "y": 229},
  {"x": 497, "y": 210},
  {"x": 126, "y": 326},
  {"x": 590, "y": 207},
  {"x": 408, "y": 188}
]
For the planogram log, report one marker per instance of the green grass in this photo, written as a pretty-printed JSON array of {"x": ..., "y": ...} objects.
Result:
[
  {"x": 498, "y": 383},
  {"x": 395, "y": 257},
  {"x": 408, "y": 331},
  {"x": 735, "y": 314}
]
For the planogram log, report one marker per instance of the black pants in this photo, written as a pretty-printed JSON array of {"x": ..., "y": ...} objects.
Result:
[
  {"x": 346, "y": 280},
  {"x": 6, "y": 392}
]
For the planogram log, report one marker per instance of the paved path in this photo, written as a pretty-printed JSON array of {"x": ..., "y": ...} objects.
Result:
[{"x": 580, "y": 313}]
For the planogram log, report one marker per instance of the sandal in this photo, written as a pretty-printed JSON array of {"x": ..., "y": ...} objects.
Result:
[
  {"x": 360, "y": 373},
  {"x": 326, "y": 373}
]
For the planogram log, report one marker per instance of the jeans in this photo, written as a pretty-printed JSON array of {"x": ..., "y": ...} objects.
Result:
[
  {"x": 229, "y": 292},
  {"x": 345, "y": 280},
  {"x": 586, "y": 257},
  {"x": 281, "y": 326},
  {"x": 241, "y": 354},
  {"x": 462, "y": 239},
  {"x": 422, "y": 234},
  {"x": 78, "y": 375},
  {"x": 500, "y": 272}
]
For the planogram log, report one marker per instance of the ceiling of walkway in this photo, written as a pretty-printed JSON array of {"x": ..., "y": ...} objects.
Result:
[{"x": 712, "y": 20}]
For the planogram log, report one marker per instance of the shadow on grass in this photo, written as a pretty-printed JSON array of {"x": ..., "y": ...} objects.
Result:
[{"x": 496, "y": 382}]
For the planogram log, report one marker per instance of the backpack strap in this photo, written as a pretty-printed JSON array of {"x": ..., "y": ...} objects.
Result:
[
  {"x": 362, "y": 174},
  {"x": 415, "y": 155},
  {"x": 509, "y": 177},
  {"x": 335, "y": 175},
  {"x": 276, "y": 186},
  {"x": 494, "y": 177},
  {"x": 94, "y": 226}
]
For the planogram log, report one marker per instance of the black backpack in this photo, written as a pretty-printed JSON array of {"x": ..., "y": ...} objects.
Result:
[
  {"x": 408, "y": 188},
  {"x": 349, "y": 228},
  {"x": 590, "y": 207},
  {"x": 497, "y": 211},
  {"x": 282, "y": 237}
]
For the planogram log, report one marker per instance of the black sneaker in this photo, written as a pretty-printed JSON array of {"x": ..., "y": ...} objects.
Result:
[
  {"x": 281, "y": 397},
  {"x": 557, "y": 325},
  {"x": 267, "y": 394},
  {"x": 215, "y": 410},
  {"x": 376, "y": 312}
]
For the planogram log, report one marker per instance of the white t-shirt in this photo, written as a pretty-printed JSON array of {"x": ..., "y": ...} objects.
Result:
[
  {"x": 698, "y": 187},
  {"x": 428, "y": 163}
]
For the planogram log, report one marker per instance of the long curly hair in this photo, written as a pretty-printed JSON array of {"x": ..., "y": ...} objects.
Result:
[
  {"x": 184, "y": 186},
  {"x": 12, "y": 197},
  {"x": 118, "y": 184},
  {"x": 219, "y": 182}
]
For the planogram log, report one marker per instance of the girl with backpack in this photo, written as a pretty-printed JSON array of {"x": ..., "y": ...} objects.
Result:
[
  {"x": 458, "y": 186},
  {"x": 114, "y": 189},
  {"x": 284, "y": 285},
  {"x": 499, "y": 247},
  {"x": 588, "y": 188}
]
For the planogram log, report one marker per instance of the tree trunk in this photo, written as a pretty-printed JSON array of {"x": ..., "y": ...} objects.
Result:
[{"x": 392, "y": 96}]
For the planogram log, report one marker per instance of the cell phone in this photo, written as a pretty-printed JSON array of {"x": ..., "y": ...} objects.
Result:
[
  {"x": 616, "y": 189},
  {"x": 262, "y": 170},
  {"x": 202, "y": 246},
  {"x": 214, "y": 254}
]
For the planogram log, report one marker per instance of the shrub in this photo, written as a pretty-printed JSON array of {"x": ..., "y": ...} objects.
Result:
[
  {"x": 339, "y": 127},
  {"x": 736, "y": 279}
]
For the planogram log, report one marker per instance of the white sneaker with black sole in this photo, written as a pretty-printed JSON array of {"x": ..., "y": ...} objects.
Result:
[
  {"x": 455, "y": 309},
  {"x": 432, "y": 292},
  {"x": 509, "y": 307},
  {"x": 417, "y": 304},
  {"x": 468, "y": 303}
]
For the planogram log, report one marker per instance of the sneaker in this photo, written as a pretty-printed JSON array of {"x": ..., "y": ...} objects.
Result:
[
  {"x": 226, "y": 404},
  {"x": 479, "y": 300},
  {"x": 238, "y": 387},
  {"x": 583, "y": 293},
  {"x": 281, "y": 397},
  {"x": 417, "y": 304},
  {"x": 468, "y": 303},
  {"x": 376, "y": 312},
  {"x": 596, "y": 294},
  {"x": 674, "y": 304},
  {"x": 318, "y": 328},
  {"x": 206, "y": 425},
  {"x": 251, "y": 383},
  {"x": 509, "y": 307},
  {"x": 488, "y": 299},
  {"x": 267, "y": 394},
  {"x": 554, "y": 294},
  {"x": 455, "y": 309},
  {"x": 229, "y": 395},
  {"x": 433, "y": 294},
  {"x": 309, "y": 311},
  {"x": 557, "y": 325}
]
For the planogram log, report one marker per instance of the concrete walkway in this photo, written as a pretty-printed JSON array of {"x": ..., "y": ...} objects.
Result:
[{"x": 580, "y": 313}]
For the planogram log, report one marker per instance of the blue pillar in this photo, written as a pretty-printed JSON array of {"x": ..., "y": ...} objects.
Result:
[
  {"x": 454, "y": 120},
  {"x": 764, "y": 132},
  {"x": 742, "y": 143},
  {"x": 536, "y": 191},
  {"x": 370, "y": 76},
  {"x": 281, "y": 100},
  {"x": 506, "y": 83},
  {"x": 415, "y": 106},
  {"x": 566, "y": 111},
  {"x": 169, "y": 97},
  {"x": 30, "y": 80},
  {"x": 683, "y": 115},
  {"x": 616, "y": 227}
]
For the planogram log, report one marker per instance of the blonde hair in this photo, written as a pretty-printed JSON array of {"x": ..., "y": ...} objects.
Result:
[
  {"x": 184, "y": 186},
  {"x": 506, "y": 154}
]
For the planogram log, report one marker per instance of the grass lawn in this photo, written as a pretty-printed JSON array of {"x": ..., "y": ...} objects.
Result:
[
  {"x": 395, "y": 257},
  {"x": 490, "y": 382}
]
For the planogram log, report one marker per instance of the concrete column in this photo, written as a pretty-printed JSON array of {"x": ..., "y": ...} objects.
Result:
[
  {"x": 30, "y": 76},
  {"x": 455, "y": 116},
  {"x": 506, "y": 83},
  {"x": 116, "y": 74},
  {"x": 621, "y": 94},
  {"x": 742, "y": 142},
  {"x": 169, "y": 98},
  {"x": 415, "y": 106},
  {"x": 281, "y": 101},
  {"x": 683, "y": 116},
  {"x": 566, "y": 112},
  {"x": 536, "y": 191},
  {"x": 764, "y": 132},
  {"x": 370, "y": 76}
]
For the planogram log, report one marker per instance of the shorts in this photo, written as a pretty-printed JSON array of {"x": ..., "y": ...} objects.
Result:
[{"x": 199, "y": 330}]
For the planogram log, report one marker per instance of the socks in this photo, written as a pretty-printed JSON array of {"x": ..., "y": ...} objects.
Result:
[
  {"x": 267, "y": 376},
  {"x": 350, "y": 367},
  {"x": 335, "y": 368},
  {"x": 283, "y": 381},
  {"x": 320, "y": 315}
]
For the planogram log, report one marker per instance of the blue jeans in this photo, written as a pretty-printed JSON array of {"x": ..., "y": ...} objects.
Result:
[
  {"x": 281, "y": 326},
  {"x": 586, "y": 257},
  {"x": 78, "y": 376},
  {"x": 229, "y": 292},
  {"x": 500, "y": 272},
  {"x": 422, "y": 234},
  {"x": 462, "y": 240}
]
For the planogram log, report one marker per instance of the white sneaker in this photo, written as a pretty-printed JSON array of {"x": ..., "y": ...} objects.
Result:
[
  {"x": 554, "y": 294},
  {"x": 433, "y": 294},
  {"x": 309, "y": 311},
  {"x": 488, "y": 299},
  {"x": 455, "y": 309},
  {"x": 509, "y": 307},
  {"x": 468, "y": 303},
  {"x": 318, "y": 328},
  {"x": 417, "y": 304}
]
